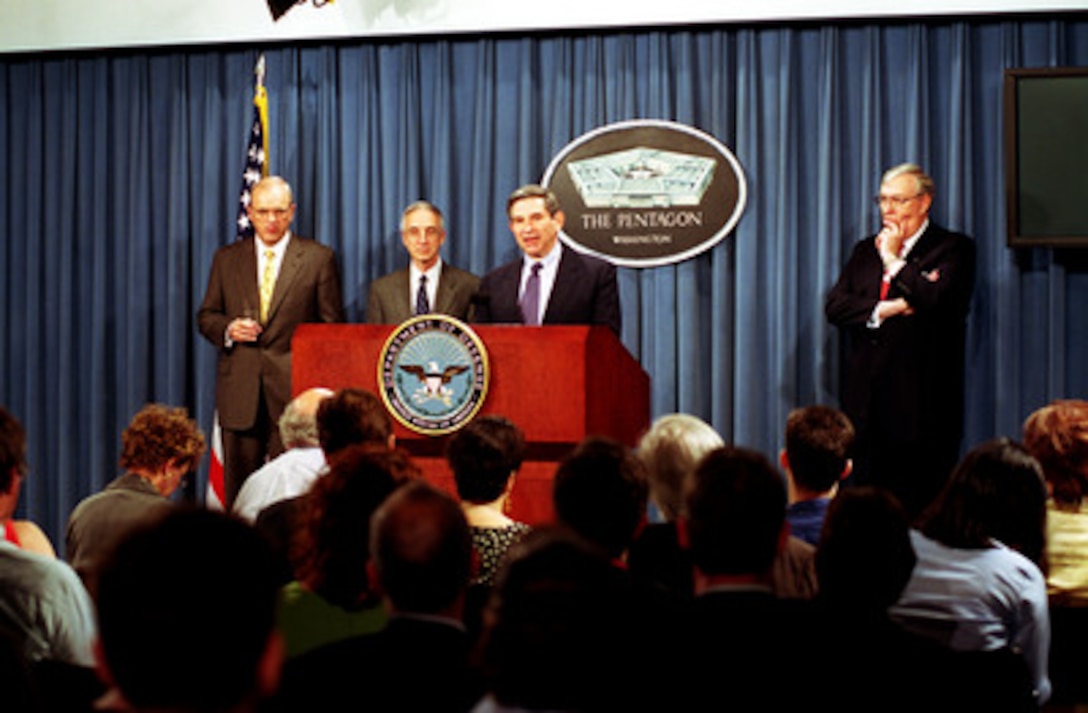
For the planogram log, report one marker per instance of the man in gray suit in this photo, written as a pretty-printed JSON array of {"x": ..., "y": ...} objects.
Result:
[{"x": 427, "y": 285}]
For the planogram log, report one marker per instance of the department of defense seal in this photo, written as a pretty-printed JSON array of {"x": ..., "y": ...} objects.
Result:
[{"x": 434, "y": 373}]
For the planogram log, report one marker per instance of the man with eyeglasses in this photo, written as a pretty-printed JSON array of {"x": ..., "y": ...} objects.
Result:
[
  {"x": 260, "y": 289},
  {"x": 428, "y": 285},
  {"x": 903, "y": 299}
]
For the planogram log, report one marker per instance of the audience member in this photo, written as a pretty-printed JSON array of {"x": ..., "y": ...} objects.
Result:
[
  {"x": 1057, "y": 435},
  {"x": 561, "y": 631},
  {"x": 485, "y": 456},
  {"x": 737, "y": 639},
  {"x": 600, "y": 492},
  {"x": 421, "y": 560},
  {"x": 13, "y": 470},
  {"x": 865, "y": 559},
  {"x": 977, "y": 585},
  {"x": 186, "y": 609},
  {"x": 670, "y": 450},
  {"x": 348, "y": 417},
  {"x": 46, "y": 619},
  {"x": 45, "y": 607},
  {"x": 159, "y": 448},
  {"x": 293, "y": 471},
  {"x": 816, "y": 458},
  {"x": 333, "y": 598}
]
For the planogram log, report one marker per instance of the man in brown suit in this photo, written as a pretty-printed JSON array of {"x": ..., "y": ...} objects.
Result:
[{"x": 259, "y": 290}]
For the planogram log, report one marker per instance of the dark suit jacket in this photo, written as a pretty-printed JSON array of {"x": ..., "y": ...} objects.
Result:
[
  {"x": 585, "y": 292},
  {"x": 736, "y": 652},
  {"x": 389, "y": 301},
  {"x": 307, "y": 290},
  {"x": 904, "y": 380},
  {"x": 411, "y": 665}
]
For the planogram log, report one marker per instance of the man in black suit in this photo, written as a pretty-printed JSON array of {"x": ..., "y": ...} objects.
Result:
[
  {"x": 259, "y": 290},
  {"x": 428, "y": 285},
  {"x": 903, "y": 299},
  {"x": 551, "y": 284}
]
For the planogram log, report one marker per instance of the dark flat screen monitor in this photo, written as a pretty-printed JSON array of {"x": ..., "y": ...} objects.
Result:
[{"x": 1046, "y": 156}]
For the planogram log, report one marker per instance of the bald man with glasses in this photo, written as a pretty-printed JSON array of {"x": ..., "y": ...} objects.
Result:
[
  {"x": 260, "y": 289},
  {"x": 902, "y": 299}
]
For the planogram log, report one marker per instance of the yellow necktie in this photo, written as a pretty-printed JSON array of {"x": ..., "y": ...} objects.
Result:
[{"x": 268, "y": 283}]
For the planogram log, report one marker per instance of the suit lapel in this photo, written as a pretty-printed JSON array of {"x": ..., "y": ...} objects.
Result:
[
  {"x": 251, "y": 298},
  {"x": 566, "y": 278},
  {"x": 289, "y": 271},
  {"x": 443, "y": 297},
  {"x": 402, "y": 302},
  {"x": 511, "y": 286}
]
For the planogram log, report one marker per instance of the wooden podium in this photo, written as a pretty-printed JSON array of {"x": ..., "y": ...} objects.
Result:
[{"x": 558, "y": 384}]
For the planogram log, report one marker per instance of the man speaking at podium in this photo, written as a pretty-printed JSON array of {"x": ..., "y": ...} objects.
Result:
[
  {"x": 550, "y": 284},
  {"x": 428, "y": 285}
]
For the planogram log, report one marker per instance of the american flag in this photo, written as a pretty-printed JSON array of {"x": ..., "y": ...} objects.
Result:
[
  {"x": 256, "y": 153},
  {"x": 255, "y": 169}
]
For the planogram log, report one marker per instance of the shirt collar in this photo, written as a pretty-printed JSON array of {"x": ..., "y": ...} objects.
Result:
[
  {"x": 548, "y": 261},
  {"x": 280, "y": 248},
  {"x": 909, "y": 242},
  {"x": 432, "y": 274}
]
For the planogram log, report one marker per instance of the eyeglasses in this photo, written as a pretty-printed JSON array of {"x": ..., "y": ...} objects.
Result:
[
  {"x": 271, "y": 212},
  {"x": 894, "y": 200}
]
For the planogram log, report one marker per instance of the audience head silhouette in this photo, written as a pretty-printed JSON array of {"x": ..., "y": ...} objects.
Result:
[
  {"x": 353, "y": 416},
  {"x": 559, "y": 611},
  {"x": 1057, "y": 435},
  {"x": 997, "y": 492},
  {"x": 421, "y": 551},
  {"x": 670, "y": 450},
  {"x": 818, "y": 443},
  {"x": 865, "y": 557},
  {"x": 736, "y": 509},
  {"x": 191, "y": 588},
  {"x": 334, "y": 543},
  {"x": 600, "y": 492},
  {"x": 484, "y": 456}
]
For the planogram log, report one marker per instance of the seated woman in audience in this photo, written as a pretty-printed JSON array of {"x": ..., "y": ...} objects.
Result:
[
  {"x": 1057, "y": 435},
  {"x": 485, "y": 456},
  {"x": 864, "y": 560},
  {"x": 332, "y": 598},
  {"x": 21, "y": 533},
  {"x": 977, "y": 585}
]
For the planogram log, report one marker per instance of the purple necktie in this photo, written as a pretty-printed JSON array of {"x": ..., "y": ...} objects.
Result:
[
  {"x": 530, "y": 301},
  {"x": 422, "y": 304}
]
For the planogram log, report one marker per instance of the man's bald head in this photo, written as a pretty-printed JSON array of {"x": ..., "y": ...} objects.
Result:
[{"x": 298, "y": 424}]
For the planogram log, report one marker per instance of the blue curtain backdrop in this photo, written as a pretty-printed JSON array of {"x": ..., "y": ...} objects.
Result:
[{"x": 119, "y": 172}]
